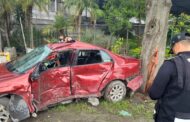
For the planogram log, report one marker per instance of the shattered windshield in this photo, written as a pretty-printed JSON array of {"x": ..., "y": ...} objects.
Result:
[{"x": 29, "y": 60}]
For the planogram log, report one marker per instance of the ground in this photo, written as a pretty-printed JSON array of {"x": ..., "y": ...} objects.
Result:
[{"x": 136, "y": 109}]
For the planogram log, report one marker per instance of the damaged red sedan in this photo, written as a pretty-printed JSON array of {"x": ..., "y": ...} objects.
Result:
[{"x": 62, "y": 72}]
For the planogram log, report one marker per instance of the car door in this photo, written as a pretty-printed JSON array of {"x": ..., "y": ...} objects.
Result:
[
  {"x": 89, "y": 71},
  {"x": 53, "y": 84}
]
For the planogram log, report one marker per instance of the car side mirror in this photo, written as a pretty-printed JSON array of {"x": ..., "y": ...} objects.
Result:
[
  {"x": 34, "y": 76},
  {"x": 42, "y": 67}
]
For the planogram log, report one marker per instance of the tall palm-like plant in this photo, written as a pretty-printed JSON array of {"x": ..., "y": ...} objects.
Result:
[
  {"x": 6, "y": 8},
  {"x": 79, "y": 6},
  {"x": 60, "y": 24},
  {"x": 27, "y": 6}
]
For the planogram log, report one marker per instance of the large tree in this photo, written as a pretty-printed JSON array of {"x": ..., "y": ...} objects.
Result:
[
  {"x": 6, "y": 8},
  {"x": 155, "y": 34},
  {"x": 118, "y": 14},
  {"x": 27, "y": 7},
  {"x": 79, "y": 6}
]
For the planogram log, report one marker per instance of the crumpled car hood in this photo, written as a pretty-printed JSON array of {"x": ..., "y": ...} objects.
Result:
[
  {"x": 5, "y": 77},
  {"x": 5, "y": 74},
  {"x": 12, "y": 82}
]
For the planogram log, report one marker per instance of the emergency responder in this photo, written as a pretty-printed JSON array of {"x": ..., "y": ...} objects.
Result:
[{"x": 171, "y": 86}]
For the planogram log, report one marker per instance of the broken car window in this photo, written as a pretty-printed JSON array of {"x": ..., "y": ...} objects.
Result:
[
  {"x": 61, "y": 59},
  {"x": 29, "y": 60},
  {"x": 64, "y": 58},
  {"x": 89, "y": 57}
]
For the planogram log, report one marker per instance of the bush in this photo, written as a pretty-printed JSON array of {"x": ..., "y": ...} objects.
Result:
[
  {"x": 134, "y": 48},
  {"x": 118, "y": 44},
  {"x": 97, "y": 38},
  {"x": 135, "y": 52}
]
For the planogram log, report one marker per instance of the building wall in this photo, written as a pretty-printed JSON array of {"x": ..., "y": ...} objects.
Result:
[{"x": 42, "y": 17}]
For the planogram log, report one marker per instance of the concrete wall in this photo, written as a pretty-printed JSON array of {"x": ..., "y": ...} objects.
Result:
[{"x": 43, "y": 17}]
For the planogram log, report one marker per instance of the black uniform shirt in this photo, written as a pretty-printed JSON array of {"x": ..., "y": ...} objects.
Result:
[{"x": 165, "y": 89}]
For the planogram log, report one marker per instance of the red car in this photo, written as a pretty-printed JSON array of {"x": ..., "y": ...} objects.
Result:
[{"x": 60, "y": 72}]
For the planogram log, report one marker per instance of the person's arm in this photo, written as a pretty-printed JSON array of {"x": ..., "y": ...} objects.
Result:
[{"x": 161, "y": 80}]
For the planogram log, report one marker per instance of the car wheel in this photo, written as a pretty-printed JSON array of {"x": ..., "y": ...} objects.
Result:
[
  {"x": 4, "y": 113},
  {"x": 115, "y": 91}
]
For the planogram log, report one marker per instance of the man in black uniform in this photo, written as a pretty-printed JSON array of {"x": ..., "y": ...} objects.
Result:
[{"x": 171, "y": 86}]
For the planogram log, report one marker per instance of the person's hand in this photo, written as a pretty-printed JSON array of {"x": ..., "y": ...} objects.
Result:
[{"x": 151, "y": 70}]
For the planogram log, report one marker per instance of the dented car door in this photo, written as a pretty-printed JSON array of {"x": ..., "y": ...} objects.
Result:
[
  {"x": 89, "y": 71},
  {"x": 54, "y": 80}
]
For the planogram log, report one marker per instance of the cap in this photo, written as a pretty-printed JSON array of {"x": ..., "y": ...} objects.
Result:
[{"x": 177, "y": 38}]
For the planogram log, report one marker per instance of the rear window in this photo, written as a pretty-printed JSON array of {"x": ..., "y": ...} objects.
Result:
[
  {"x": 89, "y": 57},
  {"x": 105, "y": 57}
]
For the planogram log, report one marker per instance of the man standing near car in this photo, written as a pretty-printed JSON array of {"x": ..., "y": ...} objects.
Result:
[{"x": 171, "y": 86}]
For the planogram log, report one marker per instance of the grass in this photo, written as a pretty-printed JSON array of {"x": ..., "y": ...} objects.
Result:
[
  {"x": 136, "y": 109},
  {"x": 144, "y": 109},
  {"x": 77, "y": 107}
]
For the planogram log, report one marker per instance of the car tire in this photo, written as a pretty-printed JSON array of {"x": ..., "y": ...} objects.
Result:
[
  {"x": 4, "y": 113},
  {"x": 115, "y": 91}
]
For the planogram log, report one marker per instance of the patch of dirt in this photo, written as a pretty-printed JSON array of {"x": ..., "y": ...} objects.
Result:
[
  {"x": 99, "y": 115},
  {"x": 52, "y": 116}
]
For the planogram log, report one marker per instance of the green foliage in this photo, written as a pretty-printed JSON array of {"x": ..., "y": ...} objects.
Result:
[
  {"x": 19, "y": 13},
  {"x": 135, "y": 109},
  {"x": 116, "y": 47},
  {"x": 78, "y": 6},
  {"x": 25, "y": 4},
  {"x": 135, "y": 52},
  {"x": 97, "y": 37},
  {"x": 167, "y": 54},
  {"x": 134, "y": 48},
  {"x": 96, "y": 14},
  {"x": 7, "y": 6},
  {"x": 77, "y": 107},
  {"x": 119, "y": 12},
  {"x": 179, "y": 23},
  {"x": 60, "y": 23},
  {"x": 102, "y": 40},
  {"x": 17, "y": 40}
]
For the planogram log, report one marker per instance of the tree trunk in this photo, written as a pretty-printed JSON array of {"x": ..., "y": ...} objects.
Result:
[
  {"x": 31, "y": 36},
  {"x": 28, "y": 25},
  {"x": 0, "y": 43},
  {"x": 139, "y": 27},
  {"x": 79, "y": 26},
  {"x": 23, "y": 35},
  {"x": 155, "y": 34},
  {"x": 7, "y": 28},
  {"x": 127, "y": 43},
  {"x": 94, "y": 26},
  {"x": 109, "y": 42}
]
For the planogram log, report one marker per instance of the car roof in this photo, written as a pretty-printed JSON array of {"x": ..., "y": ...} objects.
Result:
[{"x": 72, "y": 45}]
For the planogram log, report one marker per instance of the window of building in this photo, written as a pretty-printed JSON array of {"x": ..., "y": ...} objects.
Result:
[{"x": 52, "y": 6}]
